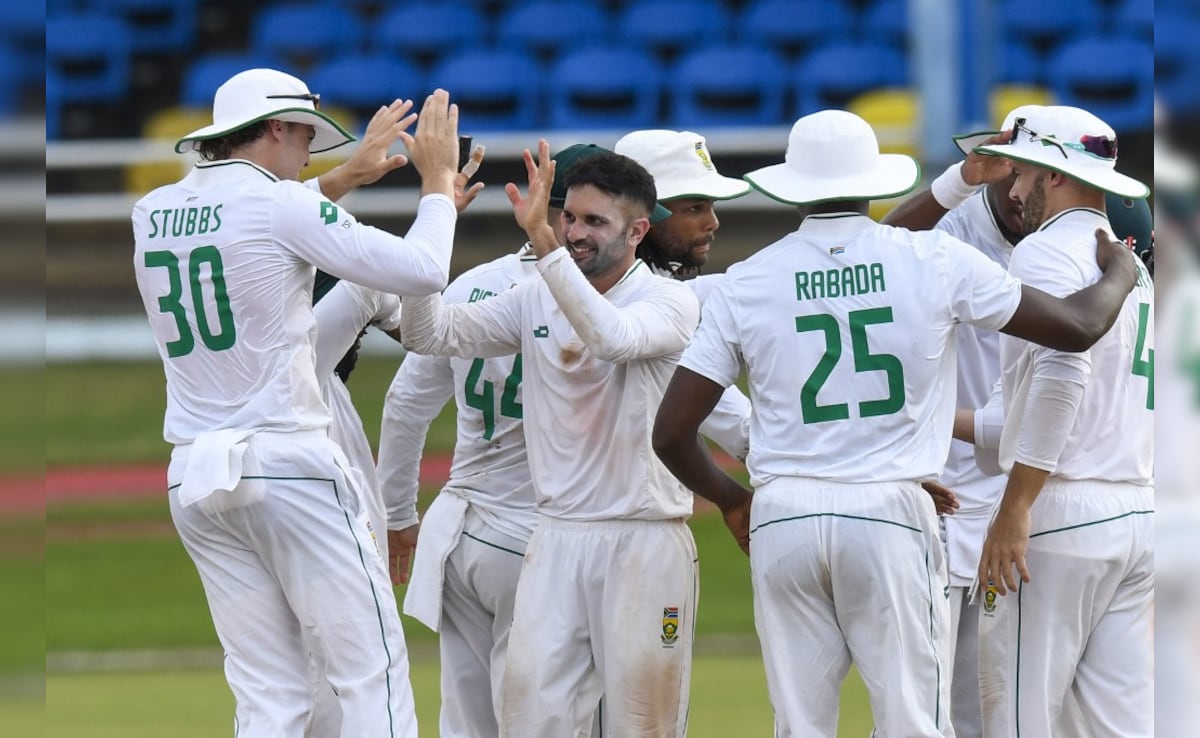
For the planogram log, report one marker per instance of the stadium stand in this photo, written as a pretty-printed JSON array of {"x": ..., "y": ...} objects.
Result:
[
  {"x": 495, "y": 90},
  {"x": 548, "y": 27},
  {"x": 304, "y": 34},
  {"x": 626, "y": 96},
  {"x": 793, "y": 27},
  {"x": 423, "y": 33},
  {"x": 1120, "y": 91},
  {"x": 832, "y": 75},
  {"x": 157, "y": 26},
  {"x": 665, "y": 27},
  {"x": 728, "y": 86}
]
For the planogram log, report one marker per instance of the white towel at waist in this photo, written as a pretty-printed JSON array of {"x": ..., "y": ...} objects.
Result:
[
  {"x": 213, "y": 463},
  {"x": 441, "y": 528}
]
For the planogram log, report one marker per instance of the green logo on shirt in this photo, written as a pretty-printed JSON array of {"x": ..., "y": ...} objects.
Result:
[
  {"x": 329, "y": 212},
  {"x": 542, "y": 331}
]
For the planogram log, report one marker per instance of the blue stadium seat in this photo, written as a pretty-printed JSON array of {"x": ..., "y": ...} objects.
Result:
[
  {"x": 626, "y": 96},
  {"x": 1135, "y": 18},
  {"x": 157, "y": 26},
  {"x": 793, "y": 26},
  {"x": 23, "y": 33},
  {"x": 1120, "y": 90},
  {"x": 887, "y": 21},
  {"x": 546, "y": 27},
  {"x": 1019, "y": 63},
  {"x": 1044, "y": 24},
  {"x": 833, "y": 75},
  {"x": 54, "y": 104},
  {"x": 303, "y": 34},
  {"x": 1177, "y": 60},
  {"x": 424, "y": 33},
  {"x": 495, "y": 90},
  {"x": 728, "y": 86},
  {"x": 364, "y": 82},
  {"x": 665, "y": 27},
  {"x": 90, "y": 53},
  {"x": 206, "y": 73}
]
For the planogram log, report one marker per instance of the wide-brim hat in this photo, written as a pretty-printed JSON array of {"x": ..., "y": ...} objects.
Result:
[
  {"x": 967, "y": 142},
  {"x": 572, "y": 155},
  {"x": 267, "y": 94},
  {"x": 680, "y": 164},
  {"x": 1073, "y": 142},
  {"x": 834, "y": 155}
]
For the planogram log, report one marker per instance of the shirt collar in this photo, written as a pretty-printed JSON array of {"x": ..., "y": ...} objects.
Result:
[
  {"x": 834, "y": 225},
  {"x": 242, "y": 167},
  {"x": 1072, "y": 214}
]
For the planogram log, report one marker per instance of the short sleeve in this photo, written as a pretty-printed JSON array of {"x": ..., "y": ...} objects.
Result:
[
  {"x": 714, "y": 351},
  {"x": 981, "y": 292}
]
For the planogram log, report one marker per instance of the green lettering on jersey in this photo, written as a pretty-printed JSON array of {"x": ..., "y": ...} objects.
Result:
[
  {"x": 478, "y": 293},
  {"x": 328, "y": 212},
  {"x": 856, "y": 279}
]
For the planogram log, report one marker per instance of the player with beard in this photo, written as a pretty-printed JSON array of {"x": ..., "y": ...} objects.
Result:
[
  {"x": 688, "y": 186},
  {"x": 605, "y": 603}
]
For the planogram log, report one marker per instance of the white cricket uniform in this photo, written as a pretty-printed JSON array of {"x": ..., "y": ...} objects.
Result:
[
  {"x": 341, "y": 315},
  {"x": 265, "y": 503},
  {"x": 847, "y": 330},
  {"x": 963, "y": 533},
  {"x": 1082, "y": 626},
  {"x": 729, "y": 422},
  {"x": 473, "y": 537},
  {"x": 607, "y": 592}
]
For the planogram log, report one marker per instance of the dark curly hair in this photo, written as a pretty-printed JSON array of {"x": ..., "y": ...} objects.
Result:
[
  {"x": 218, "y": 149},
  {"x": 618, "y": 176}
]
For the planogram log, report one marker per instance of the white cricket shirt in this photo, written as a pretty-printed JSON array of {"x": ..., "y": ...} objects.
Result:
[
  {"x": 846, "y": 328},
  {"x": 594, "y": 370},
  {"x": 1111, "y": 436},
  {"x": 978, "y": 359},
  {"x": 491, "y": 466},
  {"x": 224, "y": 262}
]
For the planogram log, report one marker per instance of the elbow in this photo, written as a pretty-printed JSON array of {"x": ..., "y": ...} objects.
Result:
[
  {"x": 665, "y": 439},
  {"x": 433, "y": 281}
]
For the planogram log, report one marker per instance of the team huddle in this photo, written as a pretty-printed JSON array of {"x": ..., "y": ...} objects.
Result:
[{"x": 947, "y": 427}]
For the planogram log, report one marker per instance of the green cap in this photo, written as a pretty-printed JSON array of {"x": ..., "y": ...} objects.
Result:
[
  {"x": 571, "y": 156},
  {"x": 1132, "y": 222}
]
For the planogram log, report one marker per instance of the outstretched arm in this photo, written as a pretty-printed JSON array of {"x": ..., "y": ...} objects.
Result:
[
  {"x": 1077, "y": 321},
  {"x": 689, "y": 398}
]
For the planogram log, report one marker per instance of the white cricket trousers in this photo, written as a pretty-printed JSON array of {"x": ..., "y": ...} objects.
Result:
[
  {"x": 478, "y": 591},
  {"x": 603, "y": 607},
  {"x": 964, "y": 658},
  {"x": 288, "y": 565},
  {"x": 1080, "y": 630},
  {"x": 848, "y": 573}
]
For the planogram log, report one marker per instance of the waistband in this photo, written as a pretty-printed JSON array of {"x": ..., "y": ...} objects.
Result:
[
  {"x": 600, "y": 526},
  {"x": 271, "y": 436}
]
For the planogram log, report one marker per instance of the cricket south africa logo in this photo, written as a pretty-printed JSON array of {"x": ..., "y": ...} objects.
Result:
[
  {"x": 703, "y": 154},
  {"x": 670, "y": 625},
  {"x": 989, "y": 600}
]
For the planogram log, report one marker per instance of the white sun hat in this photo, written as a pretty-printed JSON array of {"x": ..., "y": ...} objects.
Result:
[
  {"x": 261, "y": 94},
  {"x": 968, "y": 141},
  {"x": 680, "y": 164},
  {"x": 1071, "y": 141},
  {"x": 834, "y": 155}
]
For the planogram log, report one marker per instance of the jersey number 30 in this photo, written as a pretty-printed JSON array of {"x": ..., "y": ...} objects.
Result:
[
  {"x": 485, "y": 400},
  {"x": 864, "y": 361},
  {"x": 172, "y": 303}
]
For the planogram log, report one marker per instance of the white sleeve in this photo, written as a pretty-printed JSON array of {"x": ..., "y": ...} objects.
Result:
[
  {"x": 421, "y": 388},
  {"x": 481, "y": 329},
  {"x": 330, "y": 238},
  {"x": 714, "y": 351},
  {"x": 341, "y": 315},
  {"x": 729, "y": 423},
  {"x": 981, "y": 292},
  {"x": 989, "y": 419},
  {"x": 704, "y": 285},
  {"x": 659, "y": 325}
]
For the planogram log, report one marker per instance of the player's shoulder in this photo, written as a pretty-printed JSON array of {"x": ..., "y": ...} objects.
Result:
[{"x": 484, "y": 280}]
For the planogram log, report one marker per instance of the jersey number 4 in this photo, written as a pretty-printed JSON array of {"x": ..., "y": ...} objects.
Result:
[
  {"x": 1144, "y": 367},
  {"x": 172, "y": 302},
  {"x": 864, "y": 361},
  {"x": 484, "y": 400}
]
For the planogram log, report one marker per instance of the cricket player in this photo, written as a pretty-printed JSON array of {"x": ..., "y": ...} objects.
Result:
[
  {"x": 847, "y": 328},
  {"x": 474, "y": 534},
  {"x": 264, "y": 502},
  {"x": 606, "y": 598},
  {"x": 1072, "y": 537},
  {"x": 688, "y": 186}
]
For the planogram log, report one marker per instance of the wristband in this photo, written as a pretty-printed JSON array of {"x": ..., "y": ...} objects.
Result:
[{"x": 950, "y": 189}]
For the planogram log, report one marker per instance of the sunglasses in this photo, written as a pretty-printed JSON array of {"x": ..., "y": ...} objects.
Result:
[
  {"x": 1101, "y": 147},
  {"x": 312, "y": 97}
]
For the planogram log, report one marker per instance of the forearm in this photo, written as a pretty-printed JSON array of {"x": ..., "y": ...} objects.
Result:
[
  {"x": 964, "y": 425},
  {"x": 613, "y": 333},
  {"x": 1052, "y": 405},
  {"x": 475, "y": 330},
  {"x": 688, "y": 459},
  {"x": 922, "y": 211},
  {"x": 1024, "y": 485}
]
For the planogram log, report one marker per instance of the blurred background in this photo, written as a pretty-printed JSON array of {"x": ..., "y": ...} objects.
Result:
[{"x": 127, "y": 642}]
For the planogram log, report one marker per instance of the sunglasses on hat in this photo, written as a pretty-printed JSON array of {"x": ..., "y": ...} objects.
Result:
[
  {"x": 312, "y": 97},
  {"x": 1102, "y": 147}
]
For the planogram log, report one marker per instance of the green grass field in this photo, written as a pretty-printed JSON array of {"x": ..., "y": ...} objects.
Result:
[{"x": 117, "y": 579}]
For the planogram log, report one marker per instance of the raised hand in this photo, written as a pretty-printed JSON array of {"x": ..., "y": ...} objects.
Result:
[
  {"x": 530, "y": 211},
  {"x": 463, "y": 195},
  {"x": 370, "y": 160},
  {"x": 433, "y": 148},
  {"x": 981, "y": 169}
]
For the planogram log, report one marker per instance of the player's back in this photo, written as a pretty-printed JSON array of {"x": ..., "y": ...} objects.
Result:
[
  {"x": 1112, "y": 437},
  {"x": 229, "y": 307},
  {"x": 490, "y": 462},
  {"x": 847, "y": 330}
]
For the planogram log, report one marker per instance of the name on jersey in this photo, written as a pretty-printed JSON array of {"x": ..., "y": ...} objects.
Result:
[
  {"x": 179, "y": 222},
  {"x": 478, "y": 293},
  {"x": 857, "y": 279}
]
